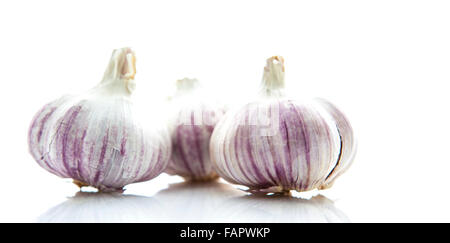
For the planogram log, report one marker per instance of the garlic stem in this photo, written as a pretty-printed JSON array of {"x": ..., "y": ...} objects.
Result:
[
  {"x": 273, "y": 78},
  {"x": 129, "y": 68},
  {"x": 121, "y": 71}
]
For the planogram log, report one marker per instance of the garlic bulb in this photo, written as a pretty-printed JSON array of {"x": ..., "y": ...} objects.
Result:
[
  {"x": 192, "y": 123},
  {"x": 277, "y": 144},
  {"x": 95, "y": 138}
]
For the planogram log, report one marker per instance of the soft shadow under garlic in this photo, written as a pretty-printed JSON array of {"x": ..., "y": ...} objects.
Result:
[
  {"x": 104, "y": 207},
  {"x": 281, "y": 209}
]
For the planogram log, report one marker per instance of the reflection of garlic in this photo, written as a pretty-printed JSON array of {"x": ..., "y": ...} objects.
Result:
[
  {"x": 191, "y": 126},
  {"x": 95, "y": 139},
  {"x": 87, "y": 207},
  {"x": 277, "y": 144},
  {"x": 195, "y": 201},
  {"x": 279, "y": 209}
]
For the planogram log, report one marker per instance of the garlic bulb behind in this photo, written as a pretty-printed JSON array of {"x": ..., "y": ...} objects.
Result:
[
  {"x": 95, "y": 138},
  {"x": 277, "y": 144},
  {"x": 191, "y": 127}
]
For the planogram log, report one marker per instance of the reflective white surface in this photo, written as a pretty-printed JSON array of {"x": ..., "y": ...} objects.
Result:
[{"x": 187, "y": 202}]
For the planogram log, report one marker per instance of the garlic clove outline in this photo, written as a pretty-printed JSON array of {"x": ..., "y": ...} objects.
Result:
[{"x": 348, "y": 143}]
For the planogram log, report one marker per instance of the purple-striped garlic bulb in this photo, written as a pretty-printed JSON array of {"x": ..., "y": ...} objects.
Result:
[
  {"x": 96, "y": 138},
  {"x": 277, "y": 144},
  {"x": 193, "y": 118}
]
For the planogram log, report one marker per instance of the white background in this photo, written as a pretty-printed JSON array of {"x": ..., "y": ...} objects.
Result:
[{"x": 386, "y": 64}]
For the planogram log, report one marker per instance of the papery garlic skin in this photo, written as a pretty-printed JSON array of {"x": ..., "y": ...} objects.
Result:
[
  {"x": 277, "y": 144},
  {"x": 191, "y": 126},
  {"x": 95, "y": 138}
]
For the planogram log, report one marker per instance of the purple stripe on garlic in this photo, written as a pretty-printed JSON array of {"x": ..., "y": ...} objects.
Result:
[
  {"x": 277, "y": 144},
  {"x": 192, "y": 123},
  {"x": 95, "y": 138}
]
